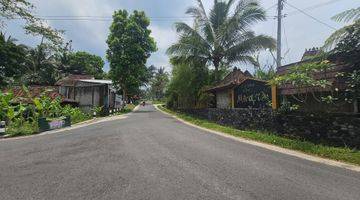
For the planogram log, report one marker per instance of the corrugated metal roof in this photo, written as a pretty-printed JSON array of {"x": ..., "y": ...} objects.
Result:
[
  {"x": 109, "y": 82},
  {"x": 72, "y": 79}
]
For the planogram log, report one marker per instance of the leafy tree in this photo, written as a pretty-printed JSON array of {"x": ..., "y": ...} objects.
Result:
[
  {"x": 222, "y": 37},
  {"x": 10, "y": 9},
  {"x": 85, "y": 63},
  {"x": 12, "y": 60},
  {"x": 348, "y": 51},
  {"x": 302, "y": 77},
  {"x": 129, "y": 47},
  {"x": 47, "y": 33},
  {"x": 185, "y": 89},
  {"x": 159, "y": 83}
]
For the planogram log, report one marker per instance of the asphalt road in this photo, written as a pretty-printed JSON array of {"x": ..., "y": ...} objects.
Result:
[{"x": 150, "y": 155}]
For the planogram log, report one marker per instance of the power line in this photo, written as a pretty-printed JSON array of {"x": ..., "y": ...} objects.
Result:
[
  {"x": 313, "y": 7},
  {"x": 106, "y": 17},
  {"x": 312, "y": 17},
  {"x": 110, "y": 18},
  {"x": 273, "y": 6},
  {"x": 100, "y": 19}
]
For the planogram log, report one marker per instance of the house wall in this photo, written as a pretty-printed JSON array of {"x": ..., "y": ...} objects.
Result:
[
  {"x": 84, "y": 96},
  {"x": 89, "y": 95},
  {"x": 223, "y": 99},
  {"x": 96, "y": 100}
]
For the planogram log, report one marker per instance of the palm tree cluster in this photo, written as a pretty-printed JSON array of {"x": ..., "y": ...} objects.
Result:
[{"x": 221, "y": 37}]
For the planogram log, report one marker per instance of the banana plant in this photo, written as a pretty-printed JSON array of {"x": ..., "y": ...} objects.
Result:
[{"x": 5, "y": 104}]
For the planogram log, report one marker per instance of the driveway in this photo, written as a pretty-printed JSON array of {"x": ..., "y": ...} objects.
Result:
[{"x": 150, "y": 155}]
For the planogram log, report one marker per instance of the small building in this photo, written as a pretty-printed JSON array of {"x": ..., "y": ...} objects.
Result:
[
  {"x": 88, "y": 92},
  {"x": 241, "y": 90}
]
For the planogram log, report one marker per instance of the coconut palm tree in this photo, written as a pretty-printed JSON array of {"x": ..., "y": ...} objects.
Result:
[
  {"x": 352, "y": 15},
  {"x": 221, "y": 37}
]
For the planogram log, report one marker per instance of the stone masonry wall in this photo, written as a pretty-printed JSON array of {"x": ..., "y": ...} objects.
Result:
[{"x": 330, "y": 129}]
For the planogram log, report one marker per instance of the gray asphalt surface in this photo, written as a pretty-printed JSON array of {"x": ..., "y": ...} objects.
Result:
[{"x": 150, "y": 155}]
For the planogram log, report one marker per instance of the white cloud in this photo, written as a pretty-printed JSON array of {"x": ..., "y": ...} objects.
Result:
[{"x": 164, "y": 37}]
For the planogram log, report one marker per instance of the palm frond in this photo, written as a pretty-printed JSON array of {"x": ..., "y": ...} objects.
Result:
[
  {"x": 247, "y": 13},
  {"x": 189, "y": 46},
  {"x": 245, "y": 59},
  {"x": 335, "y": 38},
  {"x": 185, "y": 30},
  {"x": 348, "y": 15},
  {"x": 218, "y": 15},
  {"x": 208, "y": 29},
  {"x": 237, "y": 38},
  {"x": 249, "y": 47}
]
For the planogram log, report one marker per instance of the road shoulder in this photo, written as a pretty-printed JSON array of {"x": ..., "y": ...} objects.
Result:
[{"x": 271, "y": 147}]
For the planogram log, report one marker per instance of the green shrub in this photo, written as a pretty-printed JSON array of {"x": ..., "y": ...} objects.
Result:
[
  {"x": 98, "y": 110},
  {"x": 75, "y": 114},
  {"x": 18, "y": 128}
]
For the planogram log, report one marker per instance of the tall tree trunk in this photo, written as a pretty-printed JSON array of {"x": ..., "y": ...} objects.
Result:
[{"x": 216, "y": 63}]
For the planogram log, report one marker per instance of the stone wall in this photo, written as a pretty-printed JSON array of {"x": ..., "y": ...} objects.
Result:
[{"x": 324, "y": 128}]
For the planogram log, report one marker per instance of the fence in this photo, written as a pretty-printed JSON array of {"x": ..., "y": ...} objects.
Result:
[{"x": 325, "y": 128}]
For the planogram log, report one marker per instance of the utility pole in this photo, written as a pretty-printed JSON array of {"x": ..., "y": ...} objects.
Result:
[{"x": 279, "y": 29}]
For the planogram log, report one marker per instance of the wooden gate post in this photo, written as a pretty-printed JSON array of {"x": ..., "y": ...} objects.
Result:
[{"x": 274, "y": 97}]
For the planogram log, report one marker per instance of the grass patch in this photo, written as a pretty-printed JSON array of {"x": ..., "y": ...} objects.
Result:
[{"x": 334, "y": 153}]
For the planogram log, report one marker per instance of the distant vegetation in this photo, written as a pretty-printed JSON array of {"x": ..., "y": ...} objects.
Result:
[
  {"x": 47, "y": 62},
  {"x": 217, "y": 41}
]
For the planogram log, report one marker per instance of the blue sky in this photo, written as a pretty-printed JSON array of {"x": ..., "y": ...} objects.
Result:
[{"x": 300, "y": 31}]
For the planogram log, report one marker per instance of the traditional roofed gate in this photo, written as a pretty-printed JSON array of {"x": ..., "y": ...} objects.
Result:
[{"x": 241, "y": 90}]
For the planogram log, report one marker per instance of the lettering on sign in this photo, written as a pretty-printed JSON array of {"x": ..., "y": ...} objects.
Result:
[
  {"x": 56, "y": 124},
  {"x": 252, "y": 94}
]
